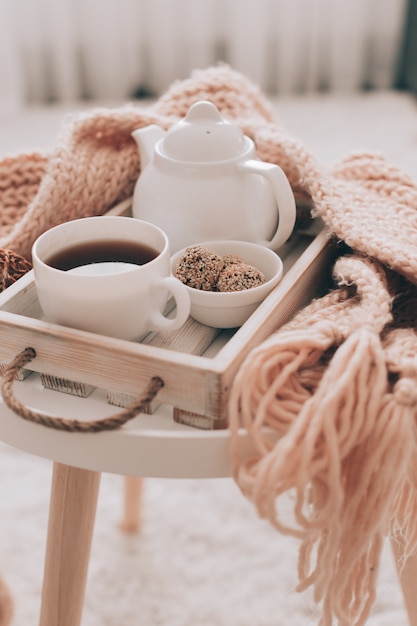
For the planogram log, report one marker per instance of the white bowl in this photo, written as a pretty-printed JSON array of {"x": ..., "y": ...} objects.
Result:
[{"x": 231, "y": 309}]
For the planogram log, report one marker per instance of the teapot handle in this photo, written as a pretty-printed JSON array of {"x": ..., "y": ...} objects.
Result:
[{"x": 284, "y": 198}]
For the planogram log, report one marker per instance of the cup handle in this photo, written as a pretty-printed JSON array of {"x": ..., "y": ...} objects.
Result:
[
  {"x": 158, "y": 321},
  {"x": 284, "y": 198}
]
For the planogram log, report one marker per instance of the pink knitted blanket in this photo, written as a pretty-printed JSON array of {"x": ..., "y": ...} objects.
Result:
[
  {"x": 95, "y": 164},
  {"x": 336, "y": 384}
]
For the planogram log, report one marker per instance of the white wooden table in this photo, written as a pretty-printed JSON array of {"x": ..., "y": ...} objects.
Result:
[{"x": 149, "y": 445}]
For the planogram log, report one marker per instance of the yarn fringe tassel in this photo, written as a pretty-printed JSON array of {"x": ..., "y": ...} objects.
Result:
[
  {"x": 330, "y": 429},
  {"x": 400, "y": 348}
]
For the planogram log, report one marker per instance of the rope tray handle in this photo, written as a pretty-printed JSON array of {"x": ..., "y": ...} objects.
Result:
[{"x": 71, "y": 425}]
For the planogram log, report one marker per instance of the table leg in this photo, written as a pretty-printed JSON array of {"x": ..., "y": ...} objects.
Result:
[
  {"x": 407, "y": 574},
  {"x": 72, "y": 513},
  {"x": 133, "y": 491}
]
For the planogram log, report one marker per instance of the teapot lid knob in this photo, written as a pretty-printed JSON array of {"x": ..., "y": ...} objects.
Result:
[
  {"x": 203, "y": 136},
  {"x": 203, "y": 111}
]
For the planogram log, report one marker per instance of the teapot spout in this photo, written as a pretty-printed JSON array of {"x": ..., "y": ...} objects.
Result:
[{"x": 146, "y": 139}]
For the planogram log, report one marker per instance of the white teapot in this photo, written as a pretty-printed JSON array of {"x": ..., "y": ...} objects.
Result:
[{"x": 201, "y": 181}]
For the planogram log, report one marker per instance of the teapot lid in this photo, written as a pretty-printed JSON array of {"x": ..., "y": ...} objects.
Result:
[{"x": 204, "y": 136}]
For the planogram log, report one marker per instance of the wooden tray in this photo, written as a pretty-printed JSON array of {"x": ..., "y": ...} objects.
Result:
[{"x": 196, "y": 363}]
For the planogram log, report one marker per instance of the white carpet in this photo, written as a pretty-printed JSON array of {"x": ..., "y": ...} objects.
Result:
[{"x": 203, "y": 557}]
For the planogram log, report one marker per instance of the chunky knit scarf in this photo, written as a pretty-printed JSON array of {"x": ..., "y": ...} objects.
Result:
[
  {"x": 337, "y": 385},
  {"x": 338, "y": 388}
]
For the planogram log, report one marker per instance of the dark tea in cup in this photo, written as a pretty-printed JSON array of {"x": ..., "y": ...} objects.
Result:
[{"x": 106, "y": 251}]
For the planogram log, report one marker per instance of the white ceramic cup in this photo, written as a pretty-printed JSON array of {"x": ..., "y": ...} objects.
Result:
[{"x": 118, "y": 299}]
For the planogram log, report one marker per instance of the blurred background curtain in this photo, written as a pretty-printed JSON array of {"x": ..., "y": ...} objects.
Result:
[
  {"x": 407, "y": 67},
  {"x": 67, "y": 50}
]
